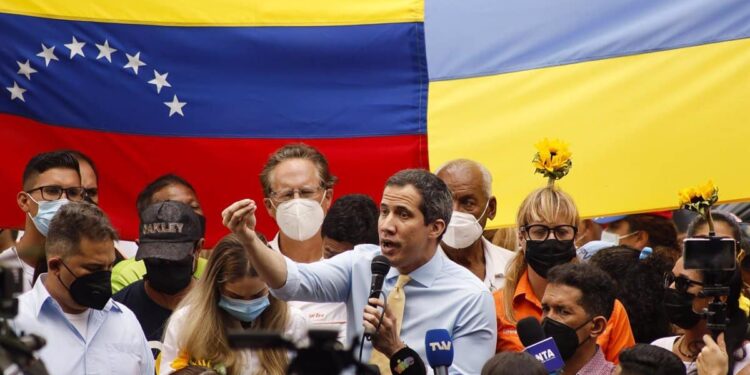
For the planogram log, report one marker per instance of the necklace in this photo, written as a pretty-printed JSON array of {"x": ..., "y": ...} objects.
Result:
[{"x": 689, "y": 353}]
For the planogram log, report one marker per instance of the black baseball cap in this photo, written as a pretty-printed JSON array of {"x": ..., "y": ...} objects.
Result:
[{"x": 169, "y": 230}]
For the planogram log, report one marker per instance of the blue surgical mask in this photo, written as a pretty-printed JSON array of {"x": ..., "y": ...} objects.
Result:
[
  {"x": 244, "y": 310},
  {"x": 45, "y": 213}
]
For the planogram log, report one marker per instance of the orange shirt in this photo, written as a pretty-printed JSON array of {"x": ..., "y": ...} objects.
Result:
[{"x": 616, "y": 336}]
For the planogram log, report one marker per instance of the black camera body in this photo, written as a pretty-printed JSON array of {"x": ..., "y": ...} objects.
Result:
[
  {"x": 16, "y": 353},
  {"x": 322, "y": 356},
  {"x": 715, "y": 257}
]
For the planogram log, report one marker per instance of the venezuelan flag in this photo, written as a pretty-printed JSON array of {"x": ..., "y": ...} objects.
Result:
[
  {"x": 652, "y": 95},
  {"x": 208, "y": 91}
]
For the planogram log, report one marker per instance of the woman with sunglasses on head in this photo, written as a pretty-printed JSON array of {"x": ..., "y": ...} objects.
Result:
[
  {"x": 684, "y": 302},
  {"x": 229, "y": 296},
  {"x": 547, "y": 222}
]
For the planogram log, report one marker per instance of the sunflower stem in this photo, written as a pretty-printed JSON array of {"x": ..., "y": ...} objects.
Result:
[
  {"x": 710, "y": 221},
  {"x": 550, "y": 181}
]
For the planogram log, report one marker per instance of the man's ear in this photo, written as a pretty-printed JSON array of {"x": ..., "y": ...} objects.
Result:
[
  {"x": 327, "y": 200},
  {"x": 491, "y": 208},
  {"x": 24, "y": 202},
  {"x": 269, "y": 207},
  {"x": 600, "y": 324},
  {"x": 54, "y": 265},
  {"x": 437, "y": 228},
  {"x": 641, "y": 238}
]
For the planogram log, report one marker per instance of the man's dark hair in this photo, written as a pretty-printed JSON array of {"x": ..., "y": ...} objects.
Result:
[
  {"x": 74, "y": 221},
  {"x": 352, "y": 218},
  {"x": 80, "y": 156},
  {"x": 639, "y": 288},
  {"x": 296, "y": 151},
  {"x": 45, "y": 161},
  {"x": 145, "y": 197},
  {"x": 511, "y": 363},
  {"x": 661, "y": 231},
  {"x": 597, "y": 288},
  {"x": 436, "y": 202},
  {"x": 644, "y": 359}
]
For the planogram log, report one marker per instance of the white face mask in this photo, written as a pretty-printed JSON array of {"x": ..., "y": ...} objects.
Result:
[
  {"x": 300, "y": 218},
  {"x": 613, "y": 238},
  {"x": 464, "y": 229}
]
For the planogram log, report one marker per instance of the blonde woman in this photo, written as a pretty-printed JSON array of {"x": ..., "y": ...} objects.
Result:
[
  {"x": 228, "y": 296},
  {"x": 547, "y": 226}
]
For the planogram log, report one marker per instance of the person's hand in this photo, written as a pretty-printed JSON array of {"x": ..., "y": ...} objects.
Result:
[
  {"x": 239, "y": 218},
  {"x": 713, "y": 359},
  {"x": 385, "y": 339}
]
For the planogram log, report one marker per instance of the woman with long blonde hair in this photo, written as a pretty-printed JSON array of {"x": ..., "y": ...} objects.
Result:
[
  {"x": 547, "y": 225},
  {"x": 230, "y": 295}
]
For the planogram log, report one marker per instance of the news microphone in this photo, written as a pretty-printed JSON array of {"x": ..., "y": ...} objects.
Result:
[
  {"x": 407, "y": 362},
  {"x": 380, "y": 266},
  {"x": 538, "y": 345},
  {"x": 439, "y": 347}
]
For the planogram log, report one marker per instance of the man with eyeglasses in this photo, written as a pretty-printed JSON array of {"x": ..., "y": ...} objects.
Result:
[
  {"x": 50, "y": 180},
  {"x": 298, "y": 190}
]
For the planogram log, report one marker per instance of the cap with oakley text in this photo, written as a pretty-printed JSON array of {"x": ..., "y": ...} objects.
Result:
[{"x": 169, "y": 230}]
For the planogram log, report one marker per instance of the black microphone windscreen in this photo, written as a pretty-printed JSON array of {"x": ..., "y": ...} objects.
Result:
[
  {"x": 380, "y": 265},
  {"x": 530, "y": 331}
]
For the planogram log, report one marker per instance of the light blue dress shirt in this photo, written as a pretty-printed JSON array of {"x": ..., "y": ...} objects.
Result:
[
  {"x": 441, "y": 294},
  {"x": 115, "y": 343}
]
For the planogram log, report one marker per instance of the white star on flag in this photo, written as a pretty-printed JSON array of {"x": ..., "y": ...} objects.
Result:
[
  {"x": 76, "y": 48},
  {"x": 160, "y": 80},
  {"x": 105, "y": 51},
  {"x": 175, "y": 106},
  {"x": 48, "y": 54},
  {"x": 16, "y": 92},
  {"x": 25, "y": 69},
  {"x": 134, "y": 62}
]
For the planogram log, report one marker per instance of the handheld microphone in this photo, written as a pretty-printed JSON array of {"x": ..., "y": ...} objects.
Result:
[
  {"x": 380, "y": 266},
  {"x": 543, "y": 349},
  {"x": 439, "y": 347},
  {"x": 407, "y": 362}
]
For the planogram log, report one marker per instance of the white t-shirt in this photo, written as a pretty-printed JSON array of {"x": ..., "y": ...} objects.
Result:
[
  {"x": 10, "y": 258},
  {"x": 690, "y": 367},
  {"x": 325, "y": 315},
  {"x": 80, "y": 322},
  {"x": 296, "y": 331}
]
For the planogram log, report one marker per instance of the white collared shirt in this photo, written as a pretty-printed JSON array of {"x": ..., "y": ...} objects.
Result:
[
  {"x": 496, "y": 261},
  {"x": 114, "y": 342}
]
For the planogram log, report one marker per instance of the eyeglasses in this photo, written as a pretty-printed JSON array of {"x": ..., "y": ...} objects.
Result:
[
  {"x": 55, "y": 192},
  {"x": 681, "y": 283},
  {"x": 289, "y": 194},
  {"x": 538, "y": 232},
  {"x": 91, "y": 192}
]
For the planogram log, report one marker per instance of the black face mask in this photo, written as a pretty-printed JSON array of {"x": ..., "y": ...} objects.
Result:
[
  {"x": 543, "y": 255},
  {"x": 565, "y": 337},
  {"x": 202, "y": 220},
  {"x": 168, "y": 277},
  {"x": 92, "y": 290},
  {"x": 679, "y": 308}
]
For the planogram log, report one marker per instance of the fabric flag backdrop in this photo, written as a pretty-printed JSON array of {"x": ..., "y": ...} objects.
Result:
[
  {"x": 652, "y": 96},
  {"x": 208, "y": 91}
]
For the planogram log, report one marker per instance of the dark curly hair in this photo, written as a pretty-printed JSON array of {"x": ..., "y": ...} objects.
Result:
[
  {"x": 640, "y": 288},
  {"x": 645, "y": 359},
  {"x": 352, "y": 218},
  {"x": 597, "y": 288}
]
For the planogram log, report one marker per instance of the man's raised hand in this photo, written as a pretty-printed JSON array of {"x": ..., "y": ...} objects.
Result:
[{"x": 239, "y": 217}]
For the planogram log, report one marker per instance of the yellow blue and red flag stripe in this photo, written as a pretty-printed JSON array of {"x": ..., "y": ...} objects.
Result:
[{"x": 652, "y": 95}]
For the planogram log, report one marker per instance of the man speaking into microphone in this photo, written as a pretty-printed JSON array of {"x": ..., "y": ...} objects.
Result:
[{"x": 425, "y": 289}]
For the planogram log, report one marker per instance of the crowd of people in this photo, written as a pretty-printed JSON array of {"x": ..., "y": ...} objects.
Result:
[{"x": 614, "y": 293}]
